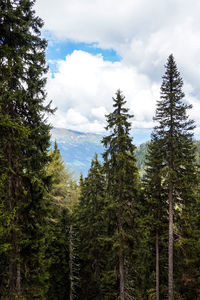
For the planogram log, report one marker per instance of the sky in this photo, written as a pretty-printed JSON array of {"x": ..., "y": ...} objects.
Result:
[{"x": 96, "y": 47}]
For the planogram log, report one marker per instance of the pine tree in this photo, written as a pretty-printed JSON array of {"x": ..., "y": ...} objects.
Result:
[
  {"x": 122, "y": 183},
  {"x": 63, "y": 186},
  {"x": 156, "y": 197},
  {"x": 24, "y": 140},
  {"x": 174, "y": 132},
  {"x": 62, "y": 200},
  {"x": 91, "y": 228}
]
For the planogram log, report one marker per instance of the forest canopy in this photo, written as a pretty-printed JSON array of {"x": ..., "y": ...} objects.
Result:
[{"x": 130, "y": 228}]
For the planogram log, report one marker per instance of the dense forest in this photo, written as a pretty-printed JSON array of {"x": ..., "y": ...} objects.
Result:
[{"x": 118, "y": 233}]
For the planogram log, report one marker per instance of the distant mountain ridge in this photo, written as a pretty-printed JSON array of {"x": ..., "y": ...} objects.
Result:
[
  {"x": 74, "y": 137},
  {"x": 78, "y": 149}
]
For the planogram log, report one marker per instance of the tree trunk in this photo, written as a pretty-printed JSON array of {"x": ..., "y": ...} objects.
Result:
[
  {"x": 12, "y": 277},
  {"x": 18, "y": 281},
  {"x": 12, "y": 266},
  {"x": 71, "y": 264},
  {"x": 170, "y": 262},
  {"x": 121, "y": 274},
  {"x": 157, "y": 265},
  {"x": 121, "y": 264}
]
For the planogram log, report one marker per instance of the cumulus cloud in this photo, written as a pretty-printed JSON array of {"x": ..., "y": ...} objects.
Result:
[
  {"x": 143, "y": 33},
  {"x": 74, "y": 120},
  {"x": 99, "y": 112},
  {"x": 83, "y": 88},
  {"x": 113, "y": 21}
]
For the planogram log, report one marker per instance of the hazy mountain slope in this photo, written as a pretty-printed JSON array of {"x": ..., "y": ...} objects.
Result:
[{"x": 78, "y": 149}]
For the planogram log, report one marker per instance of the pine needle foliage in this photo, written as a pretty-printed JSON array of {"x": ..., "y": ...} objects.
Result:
[
  {"x": 175, "y": 159},
  {"x": 24, "y": 142},
  {"x": 122, "y": 184},
  {"x": 91, "y": 226}
]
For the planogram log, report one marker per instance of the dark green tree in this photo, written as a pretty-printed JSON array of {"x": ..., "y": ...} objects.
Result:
[
  {"x": 63, "y": 195},
  {"x": 156, "y": 194},
  {"x": 91, "y": 227},
  {"x": 174, "y": 132},
  {"x": 122, "y": 186},
  {"x": 57, "y": 252},
  {"x": 24, "y": 140}
]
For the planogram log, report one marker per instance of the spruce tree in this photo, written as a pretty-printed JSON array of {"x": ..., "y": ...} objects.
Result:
[
  {"x": 24, "y": 140},
  {"x": 61, "y": 196},
  {"x": 174, "y": 132},
  {"x": 156, "y": 194},
  {"x": 122, "y": 185},
  {"x": 91, "y": 228}
]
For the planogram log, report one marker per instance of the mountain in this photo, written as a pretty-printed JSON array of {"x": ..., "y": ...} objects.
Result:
[{"x": 78, "y": 149}]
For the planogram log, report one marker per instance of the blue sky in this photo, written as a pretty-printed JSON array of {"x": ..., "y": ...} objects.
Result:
[
  {"x": 96, "y": 47},
  {"x": 58, "y": 50}
]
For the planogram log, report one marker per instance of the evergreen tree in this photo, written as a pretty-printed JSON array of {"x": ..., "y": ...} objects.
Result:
[
  {"x": 62, "y": 200},
  {"x": 156, "y": 194},
  {"x": 24, "y": 140},
  {"x": 174, "y": 132},
  {"x": 122, "y": 185},
  {"x": 91, "y": 228},
  {"x": 64, "y": 189}
]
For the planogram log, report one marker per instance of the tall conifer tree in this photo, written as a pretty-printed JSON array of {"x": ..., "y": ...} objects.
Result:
[
  {"x": 122, "y": 183},
  {"x": 63, "y": 194},
  {"x": 174, "y": 132},
  {"x": 91, "y": 228},
  {"x": 24, "y": 139},
  {"x": 156, "y": 194}
]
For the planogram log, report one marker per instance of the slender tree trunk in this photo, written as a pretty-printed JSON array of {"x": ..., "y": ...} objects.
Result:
[
  {"x": 12, "y": 267},
  {"x": 18, "y": 264},
  {"x": 14, "y": 280},
  {"x": 157, "y": 265},
  {"x": 121, "y": 264},
  {"x": 170, "y": 262},
  {"x": 121, "y": 274},
  {"x": 11, "y": 279},
  {"x": 71, "y": 264},
  {"x": 18, "y": 281}
]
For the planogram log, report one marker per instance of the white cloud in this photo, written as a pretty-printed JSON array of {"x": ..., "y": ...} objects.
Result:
[
  {"x": 74, "y": 120},
  {"x": 143, "y": 33},
  {"x": 99, "y": 112},
  {"x": 83, "y": 88}
]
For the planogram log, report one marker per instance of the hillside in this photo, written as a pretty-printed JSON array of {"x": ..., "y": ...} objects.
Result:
[{"x": 78, "y": 149}]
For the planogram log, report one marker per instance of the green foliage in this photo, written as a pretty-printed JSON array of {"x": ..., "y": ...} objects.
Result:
[
  {"x": 57, "y": 245},
  {"x": 91, "y": 228},
  {"x": 171, "y": 169},
  {"x": 63, "y": 195},
  {"x": 24, "y": 140},
  {"x": 140, "y": 155},
  {"x": 64, "y": 189},
  {"x": 122, "y": 187}
]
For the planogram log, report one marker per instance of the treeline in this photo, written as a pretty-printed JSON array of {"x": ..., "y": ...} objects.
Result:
[
  {"x": 139, "y": 236},
  {"x": 36, "y": 192},
  {"x": 115, "y": 235}
]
